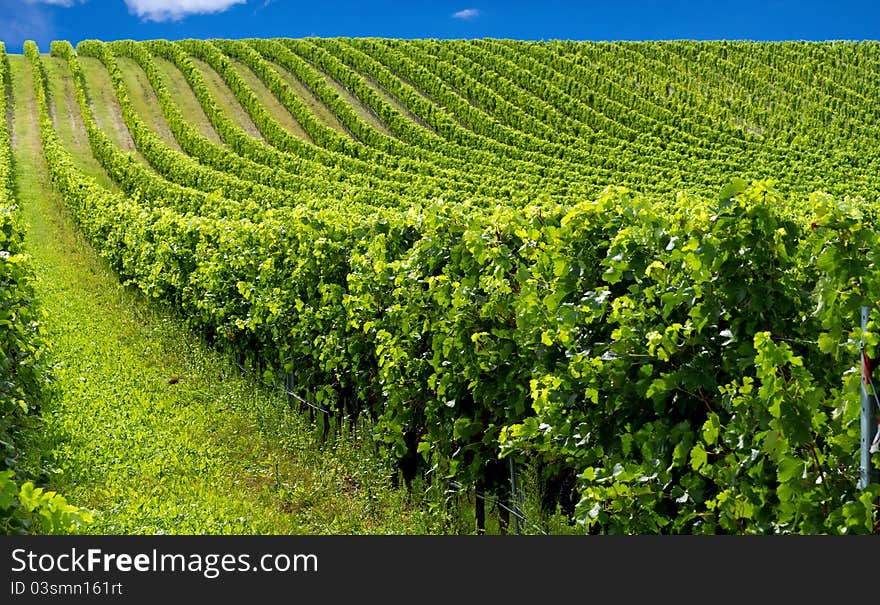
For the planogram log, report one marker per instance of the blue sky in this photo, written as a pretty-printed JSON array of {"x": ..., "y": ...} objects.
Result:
[{"x": 75, "y": 20}]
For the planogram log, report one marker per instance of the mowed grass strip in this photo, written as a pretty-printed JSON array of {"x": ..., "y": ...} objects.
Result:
[
  {"x": 186, "y": 99},
  {"x": 158, "y": 433},
  {"x": 69, "y": 123},
  {"x": 395, "y": 102},
  {"x": 106, "y": 109},
  {"x": 269, "y": 101},
  {"x": 143, "y": 97},
  {"x": 363, "y": 111},
  {"x": 323, "y": 113},
  {"x": 226, "y": 100}
]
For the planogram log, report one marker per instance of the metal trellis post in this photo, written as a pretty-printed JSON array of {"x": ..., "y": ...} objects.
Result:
[
  {"x": 514, "y": 498},
  {"x": 868, "y": 418}
]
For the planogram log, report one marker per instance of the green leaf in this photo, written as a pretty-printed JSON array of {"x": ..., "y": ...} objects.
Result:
[
  {"x": 680, "y": 453},
  {"x": 424, "y": 448},
  {"x": 465, "y": 428},
  {"x": 735, "y": 187},
  {"x": 626, "y": 441},
  {"x": 8, "y": 489},
  {"x": 699, "y": 457},
  {"x": 29, "y": 496},
  {"x": 790, "y": 469},
  {"x": 827, "y": 343},
  {"x": 711, "y": 428}
]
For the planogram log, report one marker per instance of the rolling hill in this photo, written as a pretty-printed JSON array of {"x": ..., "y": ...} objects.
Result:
[{"x": 629, "y": 271}]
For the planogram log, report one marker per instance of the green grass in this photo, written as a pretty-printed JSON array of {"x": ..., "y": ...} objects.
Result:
[
  {"x": 68, "y": 120},
  {"x": 364, "y": 112},
  {"x": 225, "y": 99},
  {"x": 102, "y": 98},
  {"x": 323, "y": 113},
  {"x": 185, "y": 99},
  {"x": 158, "y": 433},
  {"x": 268, "y": 100},
  {"x": 144, "y": 99},
  {"x": 395, "y": 102}
]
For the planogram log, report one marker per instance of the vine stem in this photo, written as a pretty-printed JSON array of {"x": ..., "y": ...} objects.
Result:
[{"x": 812, "y": 447}]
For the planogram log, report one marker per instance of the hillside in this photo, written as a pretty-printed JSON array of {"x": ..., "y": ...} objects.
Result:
[
  {"x": 515, "y": 121},
  {"x": 502, "y": 256}
]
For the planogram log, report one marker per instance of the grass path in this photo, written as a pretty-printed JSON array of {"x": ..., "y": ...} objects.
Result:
[
  {"x": 68, "y": 120},
  {"x": 321, "y": 110},
  {"x": 186, "y": 99},
  {"x": 154, "y": 431},
  {"x": 269, "y": 101},
  {"x": 106, "y": 109},
  {"x": 363, "y": 111},
  {"x": 144, "y": 99},
  {"x": 226, "y": 99}
]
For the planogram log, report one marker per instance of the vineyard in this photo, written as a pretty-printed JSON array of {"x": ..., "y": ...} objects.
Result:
[{"x": 635, "y": 269}]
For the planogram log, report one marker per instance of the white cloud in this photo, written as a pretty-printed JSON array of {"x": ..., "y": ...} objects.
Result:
[
  {"x": 467, "y": 14},
  {"x": 174, "y": 10}
]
